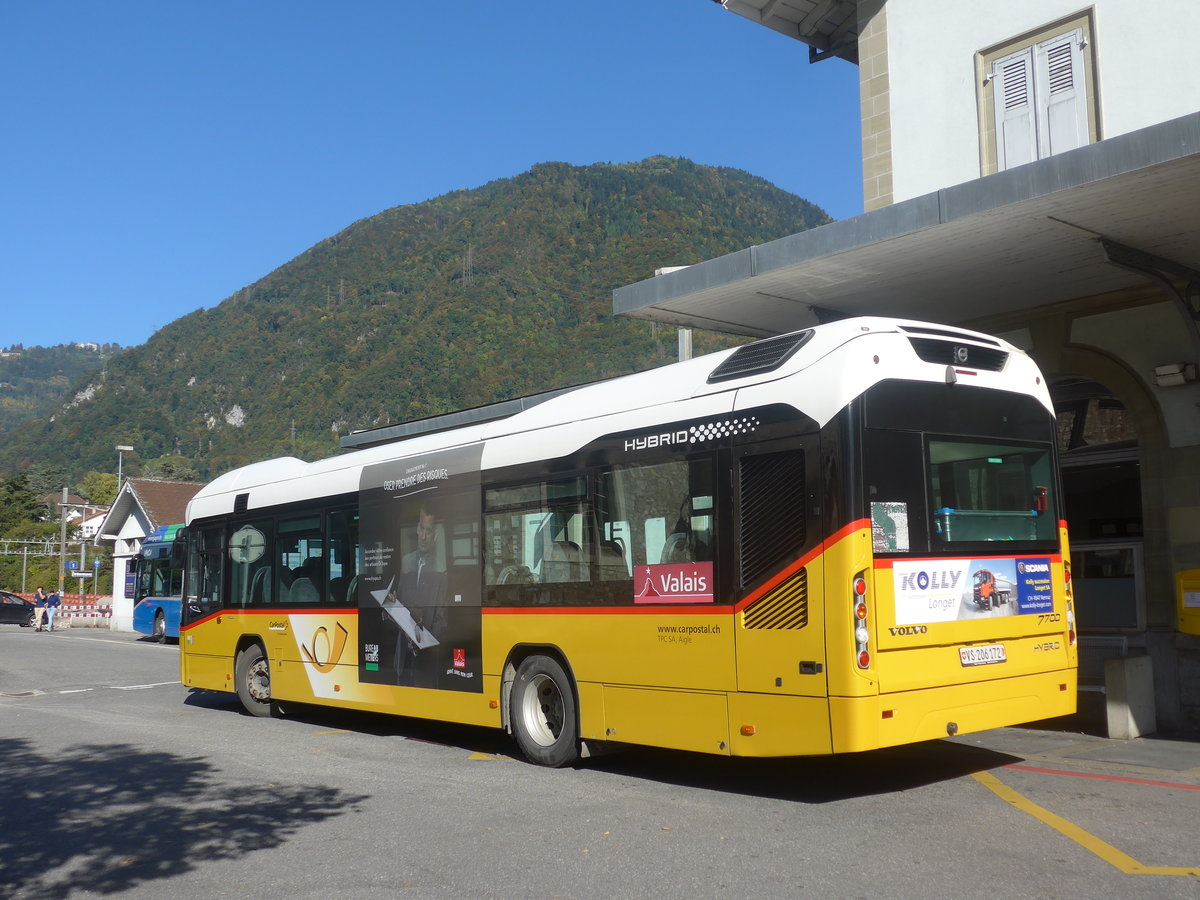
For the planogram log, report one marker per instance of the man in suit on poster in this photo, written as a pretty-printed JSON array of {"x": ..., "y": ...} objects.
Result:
[{"x": 422, "y": 592}]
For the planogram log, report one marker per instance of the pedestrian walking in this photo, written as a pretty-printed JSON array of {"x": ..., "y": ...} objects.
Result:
[
  {"x": 39, "y": 608},
  {"x": 53, "y": 602}
]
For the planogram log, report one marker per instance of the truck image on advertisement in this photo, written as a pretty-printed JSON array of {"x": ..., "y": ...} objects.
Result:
[{"x": 990, "y": 591}]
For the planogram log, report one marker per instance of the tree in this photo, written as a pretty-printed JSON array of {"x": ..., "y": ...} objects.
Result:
[
  {"x": 171, "y": 468},
  {"x": 98, "y": 488},
  {"x": 48, "y": 480},
  {"x": 17, "y": 503}
]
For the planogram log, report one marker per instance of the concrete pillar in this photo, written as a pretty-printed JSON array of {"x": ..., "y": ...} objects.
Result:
[{"x": 1129, "y": 690}]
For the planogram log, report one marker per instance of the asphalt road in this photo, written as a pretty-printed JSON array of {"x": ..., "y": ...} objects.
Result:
[{"x": 120, "y": 781}]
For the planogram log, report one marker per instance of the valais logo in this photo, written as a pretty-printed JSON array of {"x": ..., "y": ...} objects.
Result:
[
  {"x": 673, "y": 583},
  {"x": 460, "y": 658}
]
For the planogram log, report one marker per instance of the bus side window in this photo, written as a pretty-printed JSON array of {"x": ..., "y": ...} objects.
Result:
[
  {"x": 342, "y": 534},
  {"x": 538, "y": 533},
  {"x": 202, "y": 584},
  {"x": 250, "y": 564},
  {"x": 656, "y": 514},
  {"x": 300, "y": 561}
]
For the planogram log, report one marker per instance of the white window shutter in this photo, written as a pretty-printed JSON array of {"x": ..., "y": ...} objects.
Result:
[
  {"x": 1016, "y": 122},
  {"x": 1061, "y": 95}
]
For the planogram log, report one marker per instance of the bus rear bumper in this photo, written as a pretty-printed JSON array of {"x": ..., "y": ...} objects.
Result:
[{"x": 887, "y": 720}]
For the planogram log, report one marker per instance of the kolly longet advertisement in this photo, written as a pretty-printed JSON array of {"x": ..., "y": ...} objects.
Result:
[{"x": 950, "y": 590}]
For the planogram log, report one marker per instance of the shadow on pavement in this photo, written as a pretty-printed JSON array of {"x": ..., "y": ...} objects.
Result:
[
  {"x": 105, "y": 818},
  {"x": 803, "y": 780},
  {"x": 813, "y": 779}
]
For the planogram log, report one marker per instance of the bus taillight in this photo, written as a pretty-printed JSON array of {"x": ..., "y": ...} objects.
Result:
[
  {"x": 1071, "y": 636},
  {"x": 861, "y": 634}
]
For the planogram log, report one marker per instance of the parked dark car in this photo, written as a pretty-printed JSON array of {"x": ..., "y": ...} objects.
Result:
[{"x": 15, "y": 610}]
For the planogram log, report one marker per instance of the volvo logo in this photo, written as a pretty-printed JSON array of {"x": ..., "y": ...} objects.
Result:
[
  {"x": 909, "y": 629},
  {"x": 961, "y": 354}
]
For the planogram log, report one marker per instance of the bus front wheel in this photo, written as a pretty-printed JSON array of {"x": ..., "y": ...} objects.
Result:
[
  {"x": 252, "y": 675},
  {"x": 542, "y": 712}
]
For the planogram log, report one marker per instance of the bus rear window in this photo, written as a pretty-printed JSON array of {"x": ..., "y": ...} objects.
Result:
[
  {"x": 927, "y": 493},
  {"x": 990, "y": 492}
]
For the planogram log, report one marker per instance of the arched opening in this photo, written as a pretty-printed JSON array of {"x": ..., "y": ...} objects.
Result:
[{"x": 1102, "y": 489}]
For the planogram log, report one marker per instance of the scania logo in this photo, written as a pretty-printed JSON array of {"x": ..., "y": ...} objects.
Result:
[{"x": 909, "y": 629}]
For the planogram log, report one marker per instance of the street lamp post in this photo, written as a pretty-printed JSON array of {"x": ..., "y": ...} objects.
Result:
[{"x": 122, "y": 449}]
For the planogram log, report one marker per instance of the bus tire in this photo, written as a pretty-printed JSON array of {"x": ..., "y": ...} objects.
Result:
[
  {"x": 542, "y": 712},
  {"x": 160, "y": 627},
  {"x": 252, "y": 675}
]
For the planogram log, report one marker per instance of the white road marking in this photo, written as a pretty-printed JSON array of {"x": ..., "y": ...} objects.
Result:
[{"x": 142, "y": 687}]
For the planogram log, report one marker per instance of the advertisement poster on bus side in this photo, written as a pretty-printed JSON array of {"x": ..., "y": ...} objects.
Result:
[
  {"x": 419, "y": 616},
  {"x": 953, "y": 590}
]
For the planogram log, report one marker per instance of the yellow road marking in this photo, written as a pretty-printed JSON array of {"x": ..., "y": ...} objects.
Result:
[{"x": 1107, "y": 852}]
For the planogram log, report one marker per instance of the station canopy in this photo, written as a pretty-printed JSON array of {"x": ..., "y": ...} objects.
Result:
[
  {"x": 829, "y": 27},
  {"x": 1080, "y": 224}
]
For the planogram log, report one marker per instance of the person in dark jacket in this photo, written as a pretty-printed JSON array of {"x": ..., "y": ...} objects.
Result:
[
  {"x": 53, "y": 602},
  {"x": 39, "y": 608}
]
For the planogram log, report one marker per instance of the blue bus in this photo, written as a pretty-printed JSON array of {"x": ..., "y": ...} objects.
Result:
[{"x": 158, "y": 584}]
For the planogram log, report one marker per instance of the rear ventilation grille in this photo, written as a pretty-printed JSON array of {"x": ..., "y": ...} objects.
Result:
[
  {"x": 772, "y": 512},
  {"x": 759, "y": 357},
  {"x": 240, "y": 503},
  {"x": 969, "y": 356},
  {"x": 785, "y": 608},
  {"x": 947, "y": 333}
]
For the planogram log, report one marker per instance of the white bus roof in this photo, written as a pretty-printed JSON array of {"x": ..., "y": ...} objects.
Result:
[{"x": 569, "y": 419}]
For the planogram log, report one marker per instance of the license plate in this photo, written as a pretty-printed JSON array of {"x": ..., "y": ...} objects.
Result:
[{"x": 982, "y": 655}]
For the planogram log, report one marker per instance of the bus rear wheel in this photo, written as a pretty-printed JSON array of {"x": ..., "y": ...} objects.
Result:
[
  {"x": 252, "y": 675},
  {"x": 160, "y": 627},
  {"x": 542, "y": 713}
]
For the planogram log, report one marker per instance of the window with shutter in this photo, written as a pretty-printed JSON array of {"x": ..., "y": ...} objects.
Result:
[
  {"x": 1040, "y": 100},
  {"x": 1062, "y": 107},
  {"x": 1016, "y": 128}
]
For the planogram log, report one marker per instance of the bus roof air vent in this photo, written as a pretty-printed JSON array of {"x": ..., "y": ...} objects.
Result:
[
  {"x": 759, "y": 357},
  {"x": 963, "y": 355},
  {"x": 240, "y": 503}
]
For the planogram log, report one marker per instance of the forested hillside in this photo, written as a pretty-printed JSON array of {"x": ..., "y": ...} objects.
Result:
[
  {"x": 34, "y": 379},
  {"x": 472, "y": 297}
]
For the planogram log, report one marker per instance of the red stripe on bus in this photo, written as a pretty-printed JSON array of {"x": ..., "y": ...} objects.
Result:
[
  {"x": 888, "y": 563},
  {"x": 722, "y": 609}
]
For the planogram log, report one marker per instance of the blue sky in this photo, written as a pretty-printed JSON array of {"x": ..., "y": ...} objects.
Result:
[{"x": 159, "y": 155}]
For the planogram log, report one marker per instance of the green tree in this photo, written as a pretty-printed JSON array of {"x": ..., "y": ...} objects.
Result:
[
  {"x": 47, "y": 480},
  {"x": 18, "y": 505},
  {"x": 171, "y": 468},
  {"x": 99, "y": 488}
]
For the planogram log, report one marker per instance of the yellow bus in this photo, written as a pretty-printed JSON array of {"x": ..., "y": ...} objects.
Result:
[{"x": 840, "y": 539}]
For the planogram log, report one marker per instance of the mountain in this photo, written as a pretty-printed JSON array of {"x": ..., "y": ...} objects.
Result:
[
  {"x": 472, "y": 297},
  {"x": 33, "y": 380}
]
